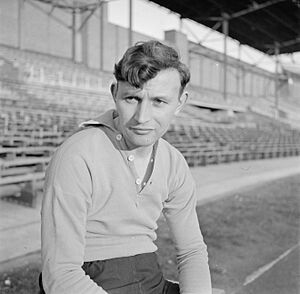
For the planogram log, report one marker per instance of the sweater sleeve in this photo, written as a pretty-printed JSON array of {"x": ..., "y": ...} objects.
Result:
[
  {"x": 181, "y": 216},
  {"x": 67, "y": 196}
]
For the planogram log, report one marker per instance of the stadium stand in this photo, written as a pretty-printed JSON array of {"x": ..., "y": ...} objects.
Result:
[
  {"x": 246, "y": 136},
  {"x": 38, "y": 111},
  {"x": 44, "y": 98}
]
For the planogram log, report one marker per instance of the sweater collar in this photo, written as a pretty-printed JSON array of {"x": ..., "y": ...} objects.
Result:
[{"x": 105, "y": 119}]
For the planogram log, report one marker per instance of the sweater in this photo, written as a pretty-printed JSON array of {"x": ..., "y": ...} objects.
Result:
[{"x": 95, "y": 208}]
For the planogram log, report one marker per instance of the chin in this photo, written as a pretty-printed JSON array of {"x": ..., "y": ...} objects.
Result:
[{"x": 143, "y": 142}]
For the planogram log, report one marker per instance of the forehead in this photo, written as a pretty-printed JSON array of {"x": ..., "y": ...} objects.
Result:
[{"x": 165, "y": 83}]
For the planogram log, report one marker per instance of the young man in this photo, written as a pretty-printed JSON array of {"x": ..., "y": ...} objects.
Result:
[{"x": 107, "y": 185}]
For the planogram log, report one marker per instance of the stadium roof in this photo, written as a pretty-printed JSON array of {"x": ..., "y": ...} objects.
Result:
[{"x": 261, "y": 24}]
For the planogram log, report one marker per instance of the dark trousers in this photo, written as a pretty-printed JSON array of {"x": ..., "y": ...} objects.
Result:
[{"x": 139, "y": 274}]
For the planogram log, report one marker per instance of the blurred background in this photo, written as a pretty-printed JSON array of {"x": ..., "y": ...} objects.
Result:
[{"x": 239, "y": 132}]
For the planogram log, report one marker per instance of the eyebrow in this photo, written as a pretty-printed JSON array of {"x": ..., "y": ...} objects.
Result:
[
  {"x": 132, "y": 93},
  {"x": 151, "y": 98},
  {"x": 166, "y": 98}
]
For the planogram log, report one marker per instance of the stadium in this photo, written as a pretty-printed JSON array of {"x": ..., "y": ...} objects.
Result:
[{"x": 56, "y": 68}]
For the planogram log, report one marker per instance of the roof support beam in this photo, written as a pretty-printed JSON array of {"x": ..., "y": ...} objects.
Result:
[
  {"x": 225, "y": 27},
  {"x": 102, "y": 24},
  {"x": 281, "y": 21},
  {"x": 272, "y": 36},
  {"x": 20, "y": 21},
  {"x": 194, "y": 34},
  {"x": 47, "y": 12},
  {"x": 77, "y": 5},
  {"x": 254, "y": 7},
  {"x": 286, "y": 43},
  {"x": 130, "y": 24},
  {"x": 90, "y": 14},
  {"x": 276, "y": 48},
  {"x": 183, "y": 4},
  {"x": 73, "y": 35},
  {"x": 214, "y": 28},
  {"x": 232, "y": 15}
]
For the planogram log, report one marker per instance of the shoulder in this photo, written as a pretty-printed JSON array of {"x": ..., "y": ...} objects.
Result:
[
  {"x": 174, "y": 156},
  {"x": 83, "y": 141},
  {"x": 173, "y": 165},
  {"x": 78, "y": 152}
]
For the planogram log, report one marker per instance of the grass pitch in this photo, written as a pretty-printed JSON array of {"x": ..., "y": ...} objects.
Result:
[{"x": 244, "y": 231}]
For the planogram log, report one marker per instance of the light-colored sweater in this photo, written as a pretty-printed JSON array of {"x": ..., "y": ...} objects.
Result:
[{"x": 95, "y": 208}]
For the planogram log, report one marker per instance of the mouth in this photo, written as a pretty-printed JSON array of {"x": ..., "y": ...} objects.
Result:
[{"x": 141, "y": 131}]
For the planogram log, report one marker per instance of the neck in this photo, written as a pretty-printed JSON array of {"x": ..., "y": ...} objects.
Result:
[{"x": 143, "y": 152}]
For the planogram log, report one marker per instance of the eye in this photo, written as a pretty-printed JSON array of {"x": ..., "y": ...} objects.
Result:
[
  {"x": 131, "y": 99},
  {"x": 158, "y": 102}
]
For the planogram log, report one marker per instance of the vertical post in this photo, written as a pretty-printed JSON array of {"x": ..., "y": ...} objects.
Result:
[
  {"x": 276, "y": 80},
  {"x": 74, "y": 35},
  {"x": 130, "y": 24},
  {"x": 180, "y": 23},
  {"x": 20, "y": 19},
  {"x": 84, "y": 28},
  {"x": 239, "y": 74},
  {"x": 225, "y": 32},
  {"x": 101, "y": 35}
]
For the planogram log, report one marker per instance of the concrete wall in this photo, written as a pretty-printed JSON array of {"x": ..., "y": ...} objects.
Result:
[
  {"x": 9, "y": 22},
  {"x": 26, "y": 26},
  {"x": 44, "y": 34}
]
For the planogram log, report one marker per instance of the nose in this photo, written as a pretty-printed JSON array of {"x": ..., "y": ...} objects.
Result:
[{"x": 143, "y": 112}]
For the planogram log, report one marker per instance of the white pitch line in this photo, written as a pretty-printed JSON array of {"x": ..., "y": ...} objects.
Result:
[{"x": 256, "y": 274}]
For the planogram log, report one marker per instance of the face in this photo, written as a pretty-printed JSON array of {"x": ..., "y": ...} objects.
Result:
[{"x": 146, "y": 113}]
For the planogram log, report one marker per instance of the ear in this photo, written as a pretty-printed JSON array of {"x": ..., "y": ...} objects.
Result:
[
  {"x": 181, "y": 102},
  {"x": 113, "y": 90}
]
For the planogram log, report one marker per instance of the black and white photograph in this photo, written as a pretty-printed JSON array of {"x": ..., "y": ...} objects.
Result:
[{"x": 149, "y": 147}]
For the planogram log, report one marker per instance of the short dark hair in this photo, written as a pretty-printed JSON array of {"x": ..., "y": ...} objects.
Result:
[{"x": 144, "y": 60}]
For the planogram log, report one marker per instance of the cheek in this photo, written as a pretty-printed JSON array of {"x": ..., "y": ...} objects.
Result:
[
  {"x": 165, "y": 119},
  {"x": 124, "y": 113}
]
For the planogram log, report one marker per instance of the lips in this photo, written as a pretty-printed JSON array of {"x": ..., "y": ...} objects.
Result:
[{"x": 141, "y": 131}]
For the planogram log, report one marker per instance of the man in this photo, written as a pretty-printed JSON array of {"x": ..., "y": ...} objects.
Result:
[{"x": 107, "y": 185}]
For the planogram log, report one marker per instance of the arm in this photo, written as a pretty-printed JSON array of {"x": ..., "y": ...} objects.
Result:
[
  {"x": 67, "y": 196},
  {"x": 180, "y": 214}
]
